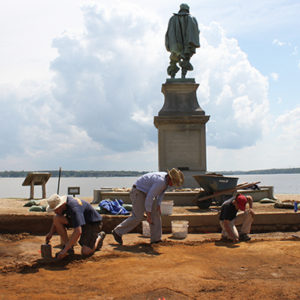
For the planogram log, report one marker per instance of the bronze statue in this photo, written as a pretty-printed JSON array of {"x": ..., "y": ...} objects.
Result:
[{"x": 182, "y": 39}]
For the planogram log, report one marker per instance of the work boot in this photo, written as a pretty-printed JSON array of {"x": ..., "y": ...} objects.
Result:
[
  {"x": 225, "y": 239},
  {"x": 244, "y": 237},
  {"x": 117, "y": 238},
  {"x": 156, "y": 242},
  {"x": 101, "y": 235},
  {"x": 71, "y": 251}
]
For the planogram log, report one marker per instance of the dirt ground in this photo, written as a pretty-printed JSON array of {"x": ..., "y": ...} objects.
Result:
[{"x": 199, "y": 267}]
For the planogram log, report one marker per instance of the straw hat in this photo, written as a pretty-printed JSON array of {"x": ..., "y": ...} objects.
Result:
[
  {"x": 54, "y": 201},
  {"x": 176, "y": 177}
]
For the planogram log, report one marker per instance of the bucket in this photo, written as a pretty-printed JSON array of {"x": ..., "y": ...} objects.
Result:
[
  {"x": 146, "y": 229},
  {"x": 46, "y": 251},
  {"x": 180, "y": 229},
  {"x": 166, "y": 208}
]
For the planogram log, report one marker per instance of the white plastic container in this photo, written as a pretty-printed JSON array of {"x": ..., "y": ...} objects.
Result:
[
  {"x": 146, "y": 229},
  {"x": 166, "y": 207},
  {"x": 180, "y": 229}
]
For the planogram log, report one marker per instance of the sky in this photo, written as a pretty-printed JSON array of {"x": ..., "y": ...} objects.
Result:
[{"x": 80, "y": 83}]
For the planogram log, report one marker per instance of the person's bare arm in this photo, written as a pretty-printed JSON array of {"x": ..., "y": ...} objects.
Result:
[
  {"x": 50, "y": 233},
  {"x": 250, "y": 203},
  {"x": 72, "y": 241},
  {"x": 229, "y": 231}
]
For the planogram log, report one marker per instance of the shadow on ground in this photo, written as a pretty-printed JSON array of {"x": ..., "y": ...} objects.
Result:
[
  {"x": 145, "y": 248},
  {"x": 162, "y": 293}
]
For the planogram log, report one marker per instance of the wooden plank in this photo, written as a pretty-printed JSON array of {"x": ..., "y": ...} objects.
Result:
[{"x": 37, "y": 178}]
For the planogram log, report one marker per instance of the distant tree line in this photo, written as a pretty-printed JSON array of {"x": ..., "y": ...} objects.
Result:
[
  {"x": 68, "y": 173},
  {"x": 266, "y": 171}
]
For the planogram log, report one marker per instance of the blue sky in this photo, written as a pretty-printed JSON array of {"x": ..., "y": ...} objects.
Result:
[{"x": 80, "y": 83}]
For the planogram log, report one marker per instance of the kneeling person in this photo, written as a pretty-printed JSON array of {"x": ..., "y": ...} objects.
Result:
[
  {"x": 229, "y": 218},
  {"x": 80, "y": 215}
]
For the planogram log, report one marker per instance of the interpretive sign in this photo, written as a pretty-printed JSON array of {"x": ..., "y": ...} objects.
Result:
[
  {"x": 36, "y": 178},
  {"x": 73, "y": 190}
]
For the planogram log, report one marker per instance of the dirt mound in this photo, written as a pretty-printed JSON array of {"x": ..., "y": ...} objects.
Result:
[{"x": 7, "y": 237}]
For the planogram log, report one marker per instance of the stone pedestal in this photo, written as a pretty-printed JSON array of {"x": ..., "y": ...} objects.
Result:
[
  {"x": 181, "y": 130},
  {"x": 180, "y": 98}
]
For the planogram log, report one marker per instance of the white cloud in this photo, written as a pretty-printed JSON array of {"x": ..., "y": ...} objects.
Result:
[
  {"x": 27, "y": 29},
  {"x": 103, "y": 94},
  {"x": 289, "y": 125},
  {"x": 295, "y": 51},
  {"x": 292, "y": 48},
  {"x": 143, "y": 117},
  {"x": 279, "y": 148},
  {"x": 147, "y": 156},
  {"x": 96, "y": 109},
  {"x": 234, "y": 93},
  {"x": 278, "y": 43},
  {"x": 274, "y": 76}
]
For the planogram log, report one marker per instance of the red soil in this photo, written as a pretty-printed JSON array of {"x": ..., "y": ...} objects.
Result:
[{"x": 265, "y": 268}]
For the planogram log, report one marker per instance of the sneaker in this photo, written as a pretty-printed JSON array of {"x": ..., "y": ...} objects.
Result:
[
  {"x": 244, "y": 237},
  {"x": 117, "y": 238},
  {"x": 225, "y": 239},
  {"x": 102, "y": 235},
  {"x": 70, "y": 252},
  {"x": 156, "y": 242}
]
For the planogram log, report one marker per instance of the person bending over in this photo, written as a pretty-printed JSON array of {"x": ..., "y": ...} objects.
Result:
[
  {"x": 80, "y": 215},
  {"x": 229, "y": 219},
  {"x": 146, "y": 196}
]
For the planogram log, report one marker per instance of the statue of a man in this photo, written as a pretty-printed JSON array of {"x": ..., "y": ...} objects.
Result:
[{"x": 182, "y": 39}]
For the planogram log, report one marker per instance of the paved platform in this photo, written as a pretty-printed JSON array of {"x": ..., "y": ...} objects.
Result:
[{"x": 14, "y": 218}]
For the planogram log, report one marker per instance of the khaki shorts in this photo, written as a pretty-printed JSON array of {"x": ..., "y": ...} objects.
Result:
[{"x": 90, "y": 234}]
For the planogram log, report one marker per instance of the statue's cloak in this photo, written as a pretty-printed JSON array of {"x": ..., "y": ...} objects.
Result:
[{"x": 182, "y": 36}]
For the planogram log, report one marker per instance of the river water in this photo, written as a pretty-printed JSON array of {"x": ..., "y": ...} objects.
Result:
[{"x": 12, "y": 187}]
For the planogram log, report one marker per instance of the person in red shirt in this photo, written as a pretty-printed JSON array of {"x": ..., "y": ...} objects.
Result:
[{"x": 229, "y": 219}]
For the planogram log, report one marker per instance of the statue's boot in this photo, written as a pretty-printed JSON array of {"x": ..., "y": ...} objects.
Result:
[{"x": 172, "y": 70}]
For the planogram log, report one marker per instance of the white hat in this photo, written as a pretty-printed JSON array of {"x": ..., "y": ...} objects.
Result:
[{"x": 55, "y": 201}]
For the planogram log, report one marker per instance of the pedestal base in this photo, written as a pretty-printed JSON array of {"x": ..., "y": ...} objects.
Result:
[
  {"x": 180, "y": 98},
  {"x": 181, "y": 130},
  {"x": 181, "y": 143}
]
